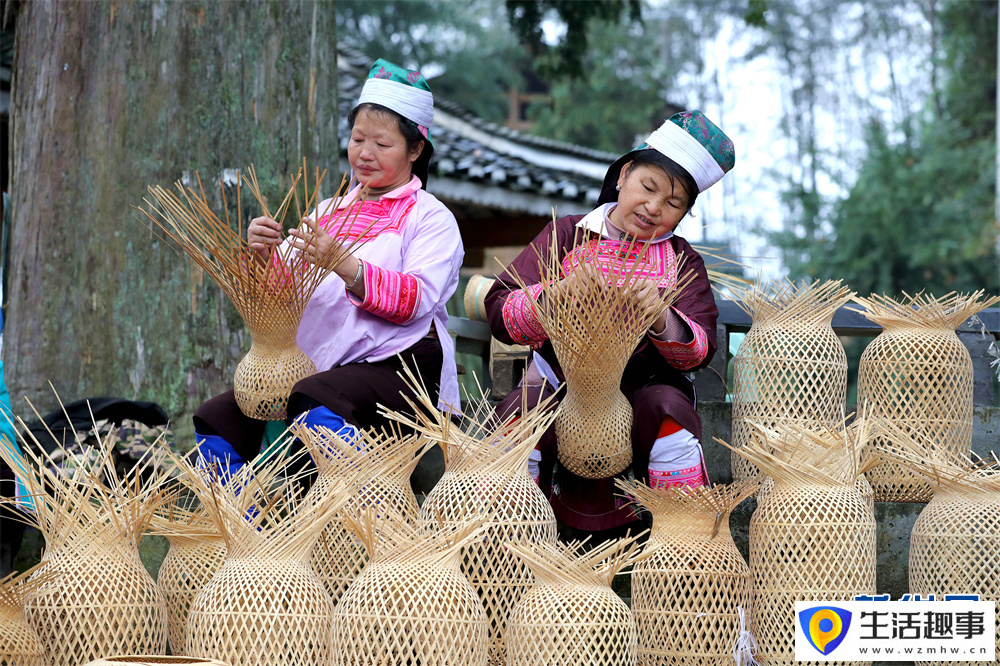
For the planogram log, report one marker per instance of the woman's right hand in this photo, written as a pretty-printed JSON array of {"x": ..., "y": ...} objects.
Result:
[{"x": 263, "y": 234}]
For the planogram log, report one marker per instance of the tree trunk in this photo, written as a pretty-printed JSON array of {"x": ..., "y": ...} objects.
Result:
[{"x": 107, "y": 98}]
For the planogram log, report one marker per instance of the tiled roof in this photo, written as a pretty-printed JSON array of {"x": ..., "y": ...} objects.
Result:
[{"x": 521, "y": 172}]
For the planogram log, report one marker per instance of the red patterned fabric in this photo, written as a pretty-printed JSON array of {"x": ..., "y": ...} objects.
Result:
[
  {"x": 367, "y": 219},
  {"x": 520, "y": 319},
  {"x": 691, "y": 476},
  {"x": 618, "y": 259},
  {"x": 684, "y": 355},
  {"x": 391, "y": 295}
]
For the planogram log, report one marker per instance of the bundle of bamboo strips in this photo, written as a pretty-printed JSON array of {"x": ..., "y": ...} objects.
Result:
[
  {"x": 103, "y": 601},
  {"x": 956, "y": 538},
  {"x": 411, "y": 604},
  {"x": 381, "y": 464},
  {"x": 270, "y": 294},
  {"x": 265, "y": 605},
  {"x": 196, "y": 552},
  {"x": 791, "y": 367},
  {"x": 486, "y": 477},
  {"x": 688, "y": 594},
  {"x": 595, "y": 317},
  {"x": 917, "y": 375},
  {"x": 19, "y": 643},
  {"x": 571, "y": 616},
  {"x": 814, "y": 537}
]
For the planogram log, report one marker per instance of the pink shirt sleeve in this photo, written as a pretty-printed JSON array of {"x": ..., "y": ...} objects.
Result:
[
  {"x": 430, "y": 264},
  {"x": 683, "y": 355},
  {"x": 520, "y": 319}
]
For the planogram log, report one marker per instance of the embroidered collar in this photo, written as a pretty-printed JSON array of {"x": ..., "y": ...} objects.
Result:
[
  {"x": 398, "y": 193},
  {"x": 599, "y": 222}
]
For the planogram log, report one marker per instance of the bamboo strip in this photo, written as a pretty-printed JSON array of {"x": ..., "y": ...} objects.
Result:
[{"x": 19, "y": 643}]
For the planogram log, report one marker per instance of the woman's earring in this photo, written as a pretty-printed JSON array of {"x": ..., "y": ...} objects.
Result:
[{"x": 618, "y": 187}]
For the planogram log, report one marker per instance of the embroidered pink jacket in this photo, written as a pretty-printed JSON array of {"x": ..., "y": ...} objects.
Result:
[{"x": 412, "y": 257}]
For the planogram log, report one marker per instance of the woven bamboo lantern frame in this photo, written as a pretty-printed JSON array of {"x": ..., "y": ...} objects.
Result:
[
  {"x": 103, "y": 601},
  {"x": 486, "y": 477},
  {"x": 154, "y": 660},
  {"x": 917, "y": 374},
  {"x": 19, "y": 643},
  {"x": 197, "y": 550},
  {"x": 956, "y": 538},
  {"x": 687, "y": 595},
  {"x": 339, "y": 556},
  {"x": 265, "y": 605},
  {"x": 270, "y": 296},
  {"x": 571, "y": 615},
  {"x": 411, "y": 604},
  {"x": 595, "y": 321},
  {"x": 814, "y": 538},
  {"x": 790, "y": 368}
]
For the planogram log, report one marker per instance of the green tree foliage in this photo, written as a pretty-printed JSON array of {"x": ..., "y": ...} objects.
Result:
[
  {"x": 565, "y": 59},
  {"x": 920, "y": 215},
  {"x": 466, "y": 48}
]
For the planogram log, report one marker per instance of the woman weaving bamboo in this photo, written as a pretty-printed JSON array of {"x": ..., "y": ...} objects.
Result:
[
  {"x": 645, "y": 195},
  {"x": 387, "y": 299}
]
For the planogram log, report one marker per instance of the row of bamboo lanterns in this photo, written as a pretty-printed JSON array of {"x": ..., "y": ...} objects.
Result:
[{"x": 813, "y": 537}]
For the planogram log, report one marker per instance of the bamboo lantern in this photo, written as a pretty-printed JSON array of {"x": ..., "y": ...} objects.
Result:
[
  {"x": 154, "y": 660},
  {"x": 411, "y": 604},
  {"x": 270, "y": 296},
  {"x": 790, "y": 368},
  {"x": 827, "y": 440},
  {"x": 197, "y": 550},
  {"x": 19, "y": 644},
  {"x": 956, "y": 538},
  {"x": 339, "y": 556},
  {"x": 814, "y": 537},
  {"x": 265, "y": 606},
  {"x": 688, "y": 594},
  {"x": 486, "y": 477},
  {"x": 92, "y": 517},
  {"x": 571, "y": 616},
  {"x": 595, "y": 321},
  {"x": 918, "y": 375}
]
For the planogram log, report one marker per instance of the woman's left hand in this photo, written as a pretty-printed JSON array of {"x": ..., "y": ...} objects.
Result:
[{"x": 312, "y": 240}]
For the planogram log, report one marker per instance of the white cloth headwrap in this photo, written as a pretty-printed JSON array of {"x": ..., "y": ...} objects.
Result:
[
  {"x": 687, "y": 151},
  {"x": 411, "y": 103}
]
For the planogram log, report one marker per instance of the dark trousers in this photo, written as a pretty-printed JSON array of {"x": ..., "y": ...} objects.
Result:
[{"x": 354, "y": 391}]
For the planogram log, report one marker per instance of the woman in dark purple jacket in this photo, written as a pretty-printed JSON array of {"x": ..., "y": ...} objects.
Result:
[{"x": 646, "y": 193}]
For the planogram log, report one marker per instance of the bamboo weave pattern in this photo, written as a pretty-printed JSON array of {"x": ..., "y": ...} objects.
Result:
[
  {"x": 19, "y": 643},
  {"x": 917, "y": 374},
  {"x": 685, "y": 595},
  {"x": 595, "y": 321},
  {"x": 790, "y": 368}
]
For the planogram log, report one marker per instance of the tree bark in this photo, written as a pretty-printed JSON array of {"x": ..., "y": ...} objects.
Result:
[{"x": 107, "y": 98}]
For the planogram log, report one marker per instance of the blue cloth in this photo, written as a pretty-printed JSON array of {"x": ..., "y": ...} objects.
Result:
[
  {"x": 322, "y": 416},
  {"x": 216, "y": 452},
  {"x": 8, "y": 440}
]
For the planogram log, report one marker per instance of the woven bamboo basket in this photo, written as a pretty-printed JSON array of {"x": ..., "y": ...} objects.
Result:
[
  {"x": 103, "y": 601},
  {"x": 270, "y": 296},
  {"x": 486, "y": 477},
  {"x": 339, "y": 556},
  {"x": 571, "y": 615},
  {"x": 265, "y": 605},
  {"x": 790, "y": 368},
  {"x": 917, "y": 374},
  {"x": 19, "y": 643},
  {"x": 688, "y": 594},
  {"x": 154, "y": 660},
  {"x": 595, "y": 321},
  {"x": 411, "y": 604},
  {"x": 956, "y": 538},
  {"x": 814, "y": 537},
  {"x": 197, "y": 550}
]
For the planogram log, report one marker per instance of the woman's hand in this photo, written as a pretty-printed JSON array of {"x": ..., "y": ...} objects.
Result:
[
  {"x": 263, "y": 234},
  {"x": 644, "y": 290},
  {"x": 321, "y": 248}
]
